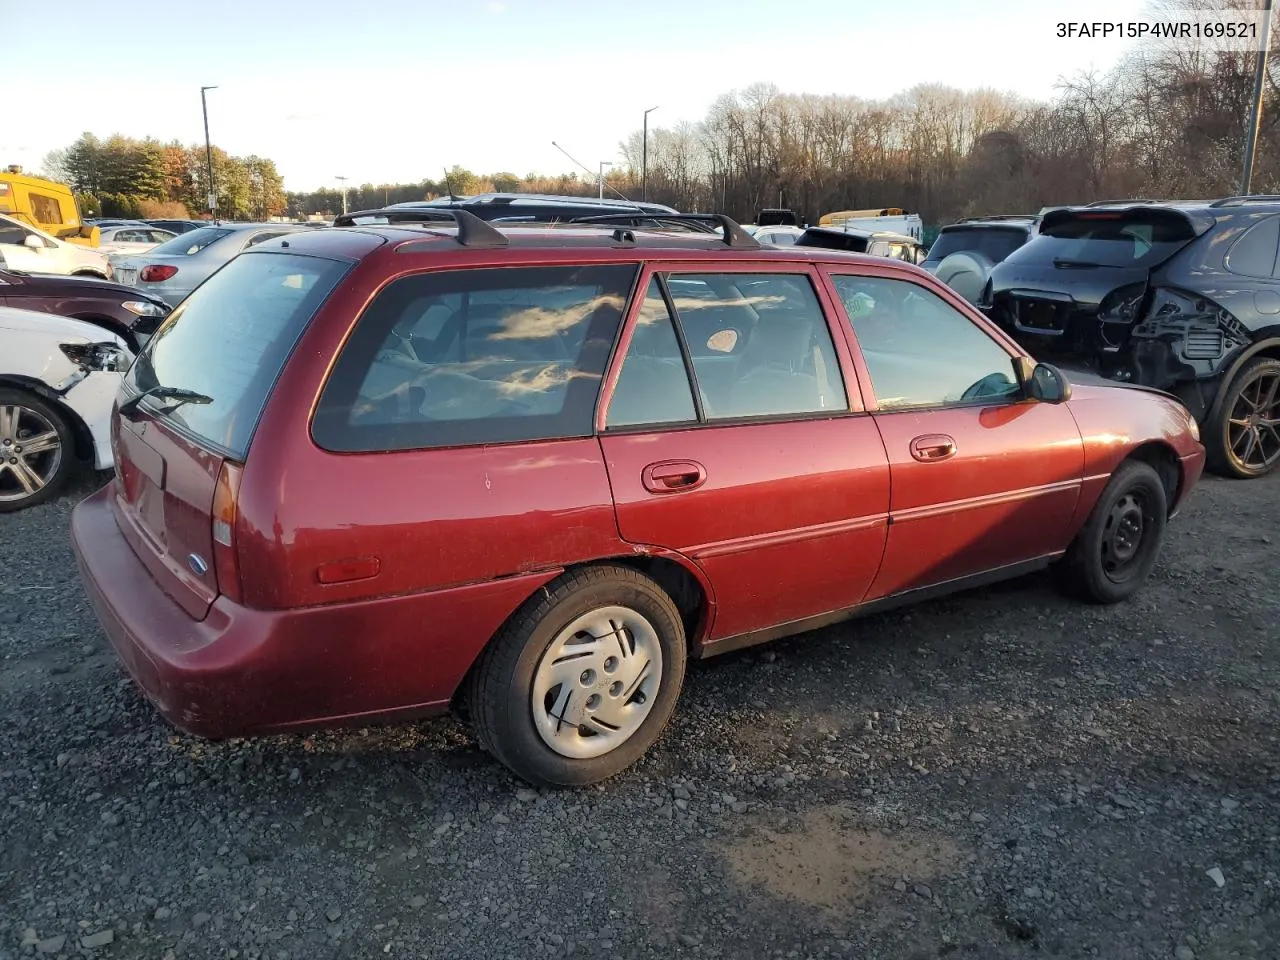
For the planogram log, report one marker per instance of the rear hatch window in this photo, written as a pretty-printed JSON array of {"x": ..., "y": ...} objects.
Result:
[
  {"x": 1142, "y": 237},
  {"x": 189, "y": 408},
  {"x": 190, "y": 243},
  {"x": 994, "y": 243},
  {"x": 228, "y": 341}
]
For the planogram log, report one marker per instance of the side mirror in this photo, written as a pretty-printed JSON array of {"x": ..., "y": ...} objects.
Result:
[
  {"x": 33, "y": 242},
  {"x": 1042, "y": 382}
]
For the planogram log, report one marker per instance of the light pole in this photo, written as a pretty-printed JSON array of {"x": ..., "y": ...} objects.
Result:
[
  {"x": 208, "y": 154},
  {"x": 343, "y": 181},
  {"x": 1255, "y": 113},
  {"x": 600, "y": 177},
  {"x": 644, "y": 157}
]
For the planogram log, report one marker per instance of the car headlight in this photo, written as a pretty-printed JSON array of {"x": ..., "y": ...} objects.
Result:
[
  {"x": 95, "y": 356},
  {"x": 1193, "y": 428},
  {"x": 144, "y": 308}
]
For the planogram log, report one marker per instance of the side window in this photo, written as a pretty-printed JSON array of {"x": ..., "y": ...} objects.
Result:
[
  {"x": 919, "y": 350},
  {"x": 11, "y": 233},
  {"x": 760, "y": 345},
  {"x": 45, "y": 209},
  {"x": 263, "y": 237},
  {"x": 653, "y": 385},
  {"x": 475, "y": 356},
  {"x": 1254, "y": 254}
]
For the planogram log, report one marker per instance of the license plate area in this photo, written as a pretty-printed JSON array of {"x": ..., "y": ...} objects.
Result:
[{"x": 1044, "y": 317}]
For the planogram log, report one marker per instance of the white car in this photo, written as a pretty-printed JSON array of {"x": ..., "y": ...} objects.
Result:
[
  {"x": 132, "y": 238},
  {"x": 25, "y": 248},
  {"x": 58, "y": 382}
]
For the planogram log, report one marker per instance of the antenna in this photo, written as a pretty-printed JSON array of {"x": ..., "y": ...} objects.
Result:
[
  {"x": 593, "y": 174},
  {"x": 449, "y": 186}
]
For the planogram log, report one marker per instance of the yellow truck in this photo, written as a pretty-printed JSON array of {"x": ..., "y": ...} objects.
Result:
[{"x": 45, "y": 205}]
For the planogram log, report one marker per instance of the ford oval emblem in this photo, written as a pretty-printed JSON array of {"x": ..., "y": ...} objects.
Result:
[{"x": 197, "y": 565}]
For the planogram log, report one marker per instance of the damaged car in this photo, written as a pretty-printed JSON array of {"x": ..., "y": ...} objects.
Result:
[
  {"x": 1180, "y": 296},
  {"x": 58, "y": 382}
]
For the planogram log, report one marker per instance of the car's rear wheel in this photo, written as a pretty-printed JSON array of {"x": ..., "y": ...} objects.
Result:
[
  {"x": 37, "y": 450},
  {"x": 1112, "y": 555},
  {"x": 1244, "y": 441},
  {"x": 583, "y": 678}
]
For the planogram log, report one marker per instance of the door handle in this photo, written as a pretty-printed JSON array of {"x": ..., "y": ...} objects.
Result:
[
  {"x": 933, "y": 446},
  {"x": 672, "y": 476}
]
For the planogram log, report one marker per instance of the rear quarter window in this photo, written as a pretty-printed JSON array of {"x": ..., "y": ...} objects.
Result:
[
  {"x": 482, "y": 355},
  {"x": 229, "y": 341}
]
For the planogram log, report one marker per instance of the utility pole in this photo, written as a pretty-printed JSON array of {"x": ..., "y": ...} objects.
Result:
[
  {"x": 1255, "y": 114},
  {"x": 208, "y": 154},
  {"x": 644, "y": 157},
  {"x": 600, "y": 177},
  {"x": 343, "y": 181}
]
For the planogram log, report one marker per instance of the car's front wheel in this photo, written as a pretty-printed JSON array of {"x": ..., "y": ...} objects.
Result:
[
  {"x": 37, "y": 450},
  {"x": 583, "y": 678},
  {"x": 1112, "y": 555},
  {"x": 1244, "y": 441}
]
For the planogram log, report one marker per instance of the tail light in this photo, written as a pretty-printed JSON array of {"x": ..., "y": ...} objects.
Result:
[
  {"x": 225, "y": 507},
  {"x": 155, "y": 272}
]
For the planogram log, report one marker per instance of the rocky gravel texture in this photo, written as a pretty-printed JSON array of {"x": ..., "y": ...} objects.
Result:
[{"x": 1002, "y": 774}]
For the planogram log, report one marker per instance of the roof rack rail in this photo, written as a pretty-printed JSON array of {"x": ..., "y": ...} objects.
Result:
[
  {"x": 1246, "y": 198},
  {"x": 472, "y": 231},
  {"x": 1108, "y": 203},
  {"x": 734, "y": 236}
]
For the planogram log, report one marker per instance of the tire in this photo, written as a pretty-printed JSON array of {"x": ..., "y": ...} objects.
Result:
[
  {"x": 1104, "y": 563},
  {"x": 529, "y": 672},
  {"x": 965, "y": 272},
  {"x": 1245, "y": 411},
  {"x": 28, "y": 478}
]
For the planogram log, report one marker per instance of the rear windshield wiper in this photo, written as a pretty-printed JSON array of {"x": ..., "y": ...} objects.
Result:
[
  {"x": 1061, "y": 262},
  {"x": 175, "y": 396}
]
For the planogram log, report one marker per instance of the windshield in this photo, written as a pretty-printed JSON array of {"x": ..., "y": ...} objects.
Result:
[
  {"x": 229, "y": 341},
  {"x": 190, "y": 243},
  {"x": 1137, "y": 238},
  {"x": 994, "y": 243}
]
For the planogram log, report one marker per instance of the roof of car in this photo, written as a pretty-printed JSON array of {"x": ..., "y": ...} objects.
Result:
[{"x": 537, "y": 199}]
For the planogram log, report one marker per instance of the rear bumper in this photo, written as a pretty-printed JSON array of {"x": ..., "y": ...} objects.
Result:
[{"x": 241, "y": 671}]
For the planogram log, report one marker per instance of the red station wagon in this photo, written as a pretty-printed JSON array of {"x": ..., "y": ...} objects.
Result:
[{"x": 377, "y": 471}]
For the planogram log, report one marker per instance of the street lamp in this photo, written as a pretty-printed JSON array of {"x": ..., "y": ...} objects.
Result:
[
  {"x": 1255, "y": 111},
  {"x": 600, "y": 176},
  {"x": 644, "y": 157},
  {"x": 343, "y": 181},
  {"x": 208, "y": 154}
]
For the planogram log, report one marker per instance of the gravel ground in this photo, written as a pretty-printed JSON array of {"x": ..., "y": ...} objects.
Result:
[{"x": 1003, "y": 774}]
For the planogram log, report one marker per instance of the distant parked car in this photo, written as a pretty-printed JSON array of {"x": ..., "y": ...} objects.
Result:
[
  {"x": 24, "y": 247},
  {"x": 125, "y": 311},
  {"x": 58, "y": 382},
  {"x": 173, "y": 269},
  {"x": 381, "y": 470},
  {"x": 876, "y": 243},
  {"x": 965, "y": 252},
  {"x": 132, "y": 239},
  {"x": 777, "y": 235},
  {"x": 1180, "y": 296},
  {"x": 534, "y": 207}
]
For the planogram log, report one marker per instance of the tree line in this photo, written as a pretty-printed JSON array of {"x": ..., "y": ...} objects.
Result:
[
  {"x": 1162, "y": 124},
  {"x": 124, "y": 177}
]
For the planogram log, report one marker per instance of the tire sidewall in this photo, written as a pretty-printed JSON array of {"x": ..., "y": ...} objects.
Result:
[
  {"x": 1131, "y": 477},
  {"x": 67, "y": 464},
  {"x": 525, "y": 746}
]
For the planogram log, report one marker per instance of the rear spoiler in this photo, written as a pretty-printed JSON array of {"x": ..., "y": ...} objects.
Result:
[{"x": 1200, "y": 221}]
